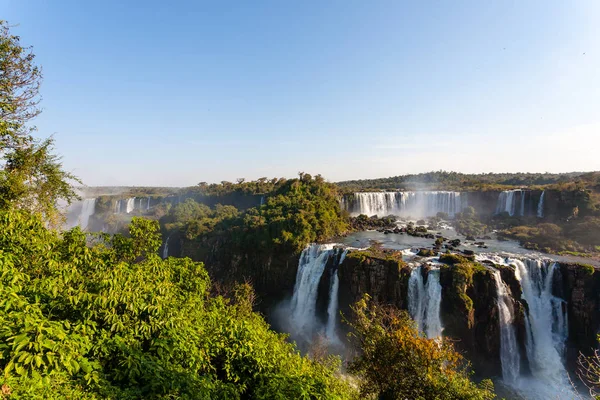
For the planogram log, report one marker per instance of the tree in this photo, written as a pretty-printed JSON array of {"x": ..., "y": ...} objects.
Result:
[
  {"x": 81, "y": 321},
  {"x": 396, "y": 362},
  {"x": 588, "y": 370},
  {"x": 32, "y": 176},
  {"x": 19, "y": 90}
]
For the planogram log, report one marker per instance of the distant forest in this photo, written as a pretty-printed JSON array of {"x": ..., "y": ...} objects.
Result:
[{"x": 445, "y": 180}]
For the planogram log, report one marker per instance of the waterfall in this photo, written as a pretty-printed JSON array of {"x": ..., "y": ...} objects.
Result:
[
  {"x": 507, "y": 202},
  {"x": 540, "y": 207},
  {"x": 416, "y": 297},
  {"x": 87, "y": 210},
  {"x": 407, "y": 204},
  {"x": 304, "y": 300},
  {"x": 166, "y": 248},
  {"x": 332, "y": 308},
  {"x": 433, "y": 323},
  {"x": 303, "y": 306},
  {"x": 148, "y": 205},
  {"x": 509, "y": 351},
  {"x": 117, "y": 206},
  {"x": 130, "y": 205},
  {"x": 546, "y": 323},
  {"x": 424, "y": 301}
]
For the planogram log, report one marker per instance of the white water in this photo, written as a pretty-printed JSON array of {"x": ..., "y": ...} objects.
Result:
[
  {"x": 507, "y": 202},
  {"x": 130, "y": 205},
  {"x": 546, "y": 328},
  {"x": 413, "y": 204},
  {"x": 416, "y": 297},
  {"x": 148, "y": 205},
  {"x": 424, "y": 301},
  {"x": 166, "y": 248},
  {"x": 509, "y": 350},
  {"x": 87, "y": 210},
  {"x": 304, "y": 300},
  {"x": 540, "y": 207},
  {"x": 332, "y": 308}
]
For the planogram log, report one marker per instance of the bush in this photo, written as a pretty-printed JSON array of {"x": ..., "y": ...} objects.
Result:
[
  {"x": 399, "y": 363},
  {"x": 114, "y": 321}
]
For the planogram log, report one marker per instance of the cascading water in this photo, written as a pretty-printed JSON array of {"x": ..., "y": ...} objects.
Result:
[
  {"x": 507, "y": 202},
  {"x": 304, "y": 300},
  {"x": 130, "y": 205},
  {"x": 424, "y": 301},
  {"x": 433, "y": 323},
  {"x": 416, "y": 297},
  {"x": 302, "y": 313},
  {"x": 413, "y": 204},
  {"x": 148, "y": 204},
  {"x": 332, "y": 308},
  {"x": 166, "y": 248},
  {"x": 540, "y": 207},
  {"x": 546, "y": 326},
  {"x": 509, "y": 351},
  {"x": 87, "y": 210}
]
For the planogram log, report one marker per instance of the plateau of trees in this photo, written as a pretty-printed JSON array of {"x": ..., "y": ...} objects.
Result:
[
  {"x": 449, "y": 180},
  {"x": 31, "y": 175}
]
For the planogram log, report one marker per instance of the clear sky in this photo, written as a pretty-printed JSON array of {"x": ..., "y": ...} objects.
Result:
[{"x": 178, "y": 92}]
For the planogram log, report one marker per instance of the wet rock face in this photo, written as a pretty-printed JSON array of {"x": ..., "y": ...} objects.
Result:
[
  {"x": 579, "y": 286},
  {"x": 384, "y": 279},
  {"x": 470, "y": 315},
  {"x": 271, "y": 273},
  {"x": 469, "y": 309}
]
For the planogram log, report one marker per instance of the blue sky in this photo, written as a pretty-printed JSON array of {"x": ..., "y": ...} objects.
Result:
[{"x": 174, "y": 93}]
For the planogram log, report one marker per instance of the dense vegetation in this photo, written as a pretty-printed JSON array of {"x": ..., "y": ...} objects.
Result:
[
  {"x": 299, "y": 212},
  {"x": 31, "y": 176},
  {"x": 399, "y": 363},
  {"x": 104, "y": 316},
  {"x": 113, "y": 320}
]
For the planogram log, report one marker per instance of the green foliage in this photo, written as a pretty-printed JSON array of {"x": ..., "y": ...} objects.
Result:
[
  {"x": 546, "y": 236},
  {"x": 399, "y": 363},
  {"x": 589, "y": 269},
  {"x": 468, "y": 223},
  {"x": 451, "y": 258},
  {"x": 426, "y": 253},
  {"x": 31, "y": 176},
  {"x": 377, "y": 252},
  {"x": 363, "y": 222},
  {"x": 460, "y": 272},
  {"x": 114, "y": 321},
  {"x": 259, "y": 186},
  {"x": 300, "y": 212},
  {"x": 585, "y": 232},
  {"x": 448, "y": 180}
]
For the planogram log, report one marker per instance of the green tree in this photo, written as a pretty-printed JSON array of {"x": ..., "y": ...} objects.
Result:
[
  {"x": 396, "y": 362},
  {"x": 32, "y": 177},
  {"x": 114, "y": 321}
]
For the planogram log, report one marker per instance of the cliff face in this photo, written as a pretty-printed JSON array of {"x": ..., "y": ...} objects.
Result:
[
  {"x": 271, "y": 273},
  {"x": 469, "y": 311},
  {"x": 579, "y": 286},
  {"x": 470, "y": 315},
  {"x": 384, "y": 278}
]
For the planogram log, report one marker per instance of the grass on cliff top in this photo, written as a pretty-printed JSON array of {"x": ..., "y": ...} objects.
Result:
[{"x": 378, "y": 252}]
